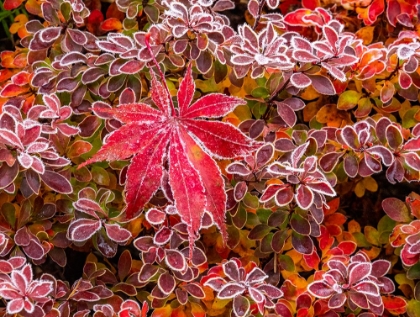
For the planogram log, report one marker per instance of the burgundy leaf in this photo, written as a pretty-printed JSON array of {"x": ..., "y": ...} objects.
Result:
[
  {"x": 337, "y": 301},
  {"x": 286, "y": 114},
  {"x": 396, "y": 209},
  {"x": 155, "y": 216},
  {"x": 320, "y": 289},
  {"x": 162, "y": 236},
  {"x": 230, "y": 290},
  {"x": 8, "y": 174},
  {"x": 117, "y": 234},
  {"x": 175, "y": 260},
  {"x": 322, "y": 84},
  {"x": 300, "y": 80},
  {"x": 57, "y": 182},
  {"x": 82, "y": 229},
  {"x": 195, "y": 290},
  {"x": 241, "y": 306},
  {"x": 359, "y": 272},
  {"x": 166, "y": 283},
  {"x": 304, "y": 197}
]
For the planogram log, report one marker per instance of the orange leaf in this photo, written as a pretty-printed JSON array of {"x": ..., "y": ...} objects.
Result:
[
  {"x": 111, "y": 24},
  {"x": 12, "y": 90},
  {"x": 197, "y": 310},
  {"x": 165, "y": 311},
  {"x": 333, "y": 204},
  {"x": 394, "y": 304},
  {"x": 33, "y": 7},
  {"x": 335, "y": 219}
]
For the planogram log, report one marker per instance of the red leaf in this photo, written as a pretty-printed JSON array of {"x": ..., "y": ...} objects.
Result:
[
  {"x": 186, "y": 91},
  {"x": 211, "y": 180},
  {"x": 124, "y": 142},
  {"x": 395, "y": 304},
  {"x": 12, "y": 4},
  {"x": 145, "y": 173},
  {"x": 221, "y": 139},
  {"x": 212, "y": 106},
  {"x": 195, "y": 180},
  {"x": 187, "y": 187}
]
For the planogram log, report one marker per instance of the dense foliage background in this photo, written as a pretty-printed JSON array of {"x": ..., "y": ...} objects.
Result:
[{"x": 210, "y": 158}]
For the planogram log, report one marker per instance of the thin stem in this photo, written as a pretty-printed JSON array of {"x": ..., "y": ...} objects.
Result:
[
  {"x": 162, "y": 76},
  {"x": 257, "y": 19},
  {"x": 273, "y": 96}
]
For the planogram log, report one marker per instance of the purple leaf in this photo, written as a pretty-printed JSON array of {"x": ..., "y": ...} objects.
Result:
[
  {"x": 82, "y": 229},
  {"x": 240, "y": 190},
  {"x": 271, "y": 291},
  {"x": 195, "y": 290},
  {"x": 231, "y": 270},
  {"x": 230, "y": 290},
  {"x": 380, "y": 267},
  {"x": 337, "y": 301},
  {"x": 256, "y": 276},
  {"x": 304, "y": 197},
  {"x": 175, "y": 260},
  {"x": 367, "y": 287},
  {"x": 8, "y": 174},
  {"x": 286, "y": 114},
  {"x": 320, "y": 289},
  {"x": 166, "y": 283},
  {"x": 162, "y": 236},
  {"x": 241, "y": 306},
  {"x": 117, "y": 233},
  {"x": 147, "y": 272},
  {"x": 300, "y": 80},
  {"x": 359, "y": 272},
  {"x": 322, "y": 84},
  {"x": 57, "y": 182}
]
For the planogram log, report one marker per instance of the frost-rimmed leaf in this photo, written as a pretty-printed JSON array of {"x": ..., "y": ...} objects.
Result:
[
  {"x": 82, "y": 229},
  {"x": 175, "y": 260},
  {"x": 230, "y": 290}
]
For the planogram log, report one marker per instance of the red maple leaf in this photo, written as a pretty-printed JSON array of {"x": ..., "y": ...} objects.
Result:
[{"x": 183, "y": 137}]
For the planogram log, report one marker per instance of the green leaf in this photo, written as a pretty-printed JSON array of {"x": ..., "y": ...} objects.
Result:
[
  {"x": 413, "y": 272},
  {"x": 413, "y": 308},
  {"x": 260, "y": 92},
  {"x": 348, "y": 100},
  {"x": 259, "y": 232},
  {"x": 100, "y": 176},
  {"x": 286, "y": 263}
]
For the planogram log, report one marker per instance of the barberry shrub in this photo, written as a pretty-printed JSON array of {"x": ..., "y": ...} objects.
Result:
[{"x": 210, "y": 158}]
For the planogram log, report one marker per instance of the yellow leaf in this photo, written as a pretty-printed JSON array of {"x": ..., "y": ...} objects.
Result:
[
  {"x": 359, "y": 189},
  {"x": 219, "y": 304},
  {"x": 366, "y": 34},
  {"x": 373, "y": 252},
  {"x": 370, "y": 184}
]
